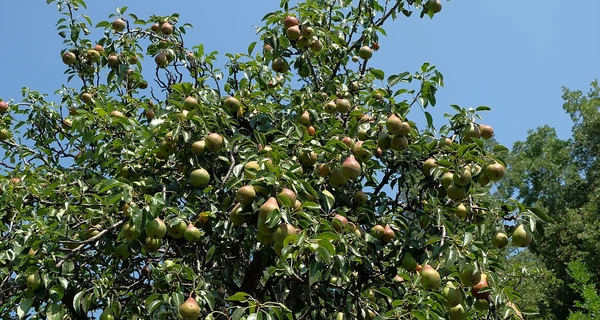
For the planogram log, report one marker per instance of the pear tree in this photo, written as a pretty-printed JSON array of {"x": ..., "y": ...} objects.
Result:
[{"x": 290, "y": 181}]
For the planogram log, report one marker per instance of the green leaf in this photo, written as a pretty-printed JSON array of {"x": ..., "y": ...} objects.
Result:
[
  {"x": 24, "y": 307},
  {"x": 378, "y": 74},
  {"x": 210, "y": 253},
  {"x": 238, "y": 296}
]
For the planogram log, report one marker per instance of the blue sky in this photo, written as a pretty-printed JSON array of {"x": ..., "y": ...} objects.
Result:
[{"x": 513, "y": 56}]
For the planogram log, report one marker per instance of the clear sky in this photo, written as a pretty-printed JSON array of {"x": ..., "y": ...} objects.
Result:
[{"x": 513, "y": 56}]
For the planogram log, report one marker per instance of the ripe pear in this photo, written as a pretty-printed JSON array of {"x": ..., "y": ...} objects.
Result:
[
  {"x": 177, "y": 230},
  {"x": 323, "y": 169},
  {"x": 269, "y": 206},
  {"x": 457, "y": 312},
  {"x": 33, "y": 281},
  {"x": 522, "y": 237},
  {"x": 452, "y": 295},
  {"x": 461, "y": 211},
  {"x": 191, "y": 233},
  {"x": 428, "y": 165},
  {"x": 499, "y": 240},
  {"x": 316, "y": 45},
  {"x": 198, "y": 147},
  {"x": 486, "y": 131},
  {"x": 69, "y": 58},
  {"x": 119, "y": 25},
  {"x": 456, "y": 193},
  {"x": 393, "y": 124},
  {"x": 388, "y": 234},
  {"x": 475, "y": 290},
  {"x": 308, "y": 32},
  {"x": 214, "y": 142},
  {"x": 190, "y": 103},
  {"x": 468, "y": 276},
  {"x": 189, "y": 310},
  {"x": 87, "y": 98},
  {"x": 233, "y": 104},
  {"x": 293, "y": 32},
  {"x": 3, "y": 107},
  {"x": 351, "y": 168},
  {"x": 377, "y": 231},
  {"x": 245, "y": 195},
  {"x": 166, "y": 29},
  {"x": 113, "y": 60},
  {"x": 289, "y": 195},
  {"x": 156, "y": 229},
  {"x": 337, "y": 178},
  {"x": 303, "y": 43},
  {"x": 462, "y": 177},
  {"x": 339, "y": 222},
  {"x": 430, "y": 278},
  {"x": 343, "y": 106},
  {"x": 447, "y": 179},
  {"x": 280, "y": 65},
  {"x": 495, "y": 171},
  {"x": 282, "y": 232},
  {"x": 161, "y": 60},
  {"x": 290, "y": 22},
  {"x": 365, "y": 52},
  {"x": 408, "y": 262},
  {"x": 311, "y": 130},
  {"x": 199, "y": 177},
  {"x": 117, "y": 114},
  {"x": 361, "y": 153},
  {"x": 92, "y": 55},
  {"x": 349, "y": 142}
]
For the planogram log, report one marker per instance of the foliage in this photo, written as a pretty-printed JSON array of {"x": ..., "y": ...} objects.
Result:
[
  {"x": 584, "y": 286},
  {"x": 250, "y": 169},
  {"x": 560, "y": 178}
]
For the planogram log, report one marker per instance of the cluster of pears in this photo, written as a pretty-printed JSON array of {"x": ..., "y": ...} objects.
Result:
[
  {"x": 4, "y": 134},
  {"x": 213, "y": 142},
  {"x": 521, "y": 237},
  {"x": 302, "y": 36},
  {"x": 396, "y": 137},
  {"x": 304, "y": 119}
]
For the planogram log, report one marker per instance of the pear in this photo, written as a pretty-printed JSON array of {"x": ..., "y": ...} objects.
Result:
[
  {"x": 262, "y": 227},
  {"x": 384, "y": 140},
  {"x": 199, "y": 178},
  {"x": 361, "y": 153},
  {"x": 408, "y": 262},
  {"x": 456, "y": 193},
  {"x": 282, "y": 232},
  {"x": 399, "y": 142},
  {"x": 289, "y": 195},
  {"x": 475, "y": 290},
  {"x": 457, "y": 312},
  {"x": 232, "y": 104},
  {"x": 339, "y": 222},
  {"x": 250, "y": 169},
  {"x": 360, "y": 198},
  {"x": 269, "y": 206},
  {"x": 428, "y": 165},
  {"x": 245, "y": 195},
  {"x": 377, "y": 231},
  {"x": 481, "y": 305},
  {"x": 447, "y": 179},
  {"x": 482, "y": 179},
  {"x": 307, "y": 158},
  {"x": 471, "y": 131},
  {"x": 365, "y": 52},
  {"x": 304, "y": 118},
  {"x": 265, "y": 239},
  {"x": 337, "y": 178},
  {"x": 330, "y": 107},
  {"x": 495, "y": 171},
  {"x": 189, "y": 310},
  {"x": 452, "y": 295},
  {"x": 198, "y": 147},
  {"x": 235, "y": 215},
  {"x": 462, "y": 177},
  {"x": 343, "y": 106},
  {"x": 153, "y": 244},
  {"x": 521, "y": 237},
  {"x": 119, "y": 25},
  {"x": 191, "y": 233},
  {"x": 468, "y": 276},
  {"x": 177, "y": 230},
  {"x": 121, "y": 252},
  {"x": 349, "y": 142},
  {"x": 130, "y": 232},
  {"x": 486, "y": 131},
  {"x": 156, "y": 229},
  {"x": 293, "y": 32},
  {"x": 499, "y": 240},
  {"x": 351, "y": 168},
  {"x": 461, "y": 211},
  {"x": 430, "y": 278},
  {"x": 190, "y": 103},
  {"x": 388, "y": 234},
  {"x": 280, "y": 65},
  {"x": 214, "y": 142},
  {"x": 107, "y": 315},
  {"x": 393, "y": 124},
  {"x": 33, "y": 281},
  {"x": 290, "y": 21}
]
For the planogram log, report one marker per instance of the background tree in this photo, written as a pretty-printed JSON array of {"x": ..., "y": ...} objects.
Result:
[
  {"x": 288, "y": 185},
  {"x": 560, "y": 177}
]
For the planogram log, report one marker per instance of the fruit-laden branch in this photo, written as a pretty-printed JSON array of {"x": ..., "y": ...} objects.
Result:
[{"x": 75, "y": 250}]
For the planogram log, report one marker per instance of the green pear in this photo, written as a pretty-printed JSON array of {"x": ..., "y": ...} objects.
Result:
[
  {"x": 408, "y": 262},
  {"x": 34, "y": 281},
  {"x": 430, "y": 278},
  {"x": 452, "y": 295},
  {"x": 189, "y": 310},
  {"x": 156, "y": 229},
  {"x": 199, "y": 177},
  {"x": 468, "y": 276},
  {"x": 521, "y": 237},
  {"x": 191, "y": 233}
]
